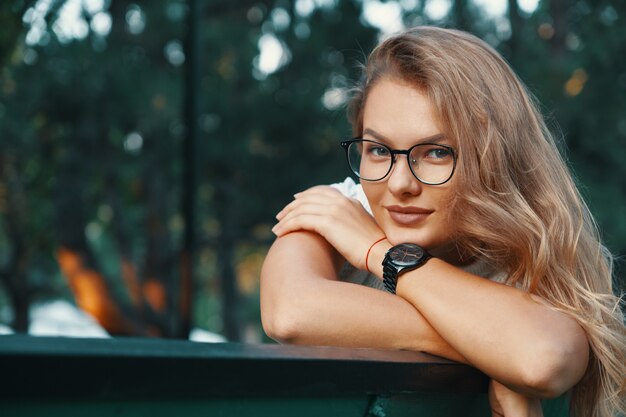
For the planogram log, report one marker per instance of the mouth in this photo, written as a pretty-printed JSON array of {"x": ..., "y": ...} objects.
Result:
[{"x": 408, "y": 216}]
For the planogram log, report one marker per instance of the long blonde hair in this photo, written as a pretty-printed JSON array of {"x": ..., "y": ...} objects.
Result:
[{"x": 520, "y": 208}]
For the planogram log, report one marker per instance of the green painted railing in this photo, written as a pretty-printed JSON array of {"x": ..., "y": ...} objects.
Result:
[{"x": 146, "y": 377}]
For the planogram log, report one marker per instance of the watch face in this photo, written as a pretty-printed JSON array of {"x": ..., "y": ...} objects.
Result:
[{"x": 406, "y": 254}]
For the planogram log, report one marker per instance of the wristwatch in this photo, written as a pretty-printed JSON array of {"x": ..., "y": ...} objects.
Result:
[{"x": 401, "y": 258}]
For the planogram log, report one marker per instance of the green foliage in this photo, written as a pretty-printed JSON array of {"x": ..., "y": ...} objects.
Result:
[
  {"x": 582, "y": 85},
  {"x": 91, "y": 129}
]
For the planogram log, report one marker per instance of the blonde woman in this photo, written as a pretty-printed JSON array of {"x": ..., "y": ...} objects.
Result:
[{"x": 466, "y": 230}]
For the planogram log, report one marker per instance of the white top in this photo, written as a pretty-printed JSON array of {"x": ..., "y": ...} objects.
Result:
[{"x": 351, "y": 274}]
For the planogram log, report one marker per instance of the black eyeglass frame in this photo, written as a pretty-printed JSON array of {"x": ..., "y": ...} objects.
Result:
[{"x": 345, "y": 144}]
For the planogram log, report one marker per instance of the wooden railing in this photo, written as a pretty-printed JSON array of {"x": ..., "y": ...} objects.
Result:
[{"x": 148, "y": 377}]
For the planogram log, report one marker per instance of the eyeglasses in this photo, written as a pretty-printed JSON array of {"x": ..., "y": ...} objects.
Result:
[{"x": 430, "y": 163}]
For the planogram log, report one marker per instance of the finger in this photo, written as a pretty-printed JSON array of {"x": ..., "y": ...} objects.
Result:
[
  {"x": 323, "y": 199},
  {"x": 294, "y": 205},
  {"x": 303, "y": 208},
  {"x": 309, "y": 222},
  {"x": 320, "y": 191},
  {"x": 331, "y": 196}
]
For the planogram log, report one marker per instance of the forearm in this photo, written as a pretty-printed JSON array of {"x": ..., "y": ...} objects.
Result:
[
  {"x": 301, "y": 303},
  {"x": 342, "y": 314},
  {"x": 501, "y": 330}
]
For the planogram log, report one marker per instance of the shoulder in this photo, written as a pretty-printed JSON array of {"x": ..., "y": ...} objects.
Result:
[
  {"x": 302, "y": 250},
  {"x": 353, "y": 190}
]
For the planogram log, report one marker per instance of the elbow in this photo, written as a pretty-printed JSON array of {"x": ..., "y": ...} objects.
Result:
[
  {"x": 280, "y": 328},
  {"x": 544, "y": 382},
  {"x": 557, "y": 370},
  {"x": 281, "y": 318},
  {"x": 278, "y": 315}
]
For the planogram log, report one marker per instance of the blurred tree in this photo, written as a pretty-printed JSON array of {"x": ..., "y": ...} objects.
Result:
[
  {"x": 571, "y": 60},
  {"x": 92, "y": 128},
  {"x": 11, "y": 13},
  {"x": 268, "y": 133},
  {"x": 96, "y": 142}
]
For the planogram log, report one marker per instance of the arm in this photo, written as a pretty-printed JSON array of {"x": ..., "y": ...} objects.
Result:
[
  {"x": 303, "y": 303},
  {"x": 513, "y": 337}
]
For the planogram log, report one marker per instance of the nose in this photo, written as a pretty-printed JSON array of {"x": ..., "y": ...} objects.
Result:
[{"x": 401, "y": 180}]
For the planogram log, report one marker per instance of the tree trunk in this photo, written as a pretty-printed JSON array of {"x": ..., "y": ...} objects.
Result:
[
  {"x": 460, "y": 17},
  {"x": 15, "y": 276},
  {"x": 192, "y": 82},
  {"x": 515, "y": 20},
  {"x": 225, "y": 255},
  {"x": 558, "y": 11}
]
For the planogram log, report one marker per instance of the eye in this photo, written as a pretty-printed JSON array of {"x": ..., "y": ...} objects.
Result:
[
  {"x": 380, "y": 151},
  {"x": 438, "y": 153},
  {"x": 376, "y": 150},
  {"x": 431, "y": 154}
]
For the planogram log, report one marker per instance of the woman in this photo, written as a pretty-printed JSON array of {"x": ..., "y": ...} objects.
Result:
[{"x": 506, "y": 270}]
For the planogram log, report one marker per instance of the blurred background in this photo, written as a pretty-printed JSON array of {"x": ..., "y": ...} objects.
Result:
[{"x": 145, "y": 146}]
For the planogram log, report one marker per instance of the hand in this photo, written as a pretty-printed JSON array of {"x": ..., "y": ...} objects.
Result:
[
  {"x": 507, "y": 403},
  {"x": 342, "y": 221}
]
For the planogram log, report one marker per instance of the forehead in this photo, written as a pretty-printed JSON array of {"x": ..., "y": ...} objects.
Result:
[{"x": 399, "y": 112}]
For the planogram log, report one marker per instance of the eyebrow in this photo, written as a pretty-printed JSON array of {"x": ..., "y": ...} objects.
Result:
[{"x": 438, "y": 138}]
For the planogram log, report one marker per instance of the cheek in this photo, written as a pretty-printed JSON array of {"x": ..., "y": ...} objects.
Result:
[
  {"x": 444, "y": 196},
  {"x": 444, "y": 202},
  {"x": 446, "y": 219},
  {"x": 373, "y": 192}
]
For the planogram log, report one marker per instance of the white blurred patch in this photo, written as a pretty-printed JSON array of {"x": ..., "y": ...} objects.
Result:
[
  {"x": 528, "y": 6},
  {"x": 304, "y": 8},
  {"x": 5, "y": 329},
  {"x": 93, "y": 6},
  {"x": 101, "y": 23},
  {"x": 386, "y": 17},
  {"x": 200, "y": 335},
  {"x": 133, "y": 143},
  {"x": 70, "y": 22},
  {"x": 174, "y": 53},
  {"x": 438, "y": 9},
  {"x": 273, "y": 54},
  {"x": 334, "y": 98},
  {"x": 280, "y": 18},
  {"x": 135, "y": 19},
  {"x": 60, "y": 318},
  {"x": 493, "y": 7}
]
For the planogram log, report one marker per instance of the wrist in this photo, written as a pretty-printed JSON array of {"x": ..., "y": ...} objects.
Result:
[
  {"x": 377, "y": 254},
  {"x": 369, "y": 250}
]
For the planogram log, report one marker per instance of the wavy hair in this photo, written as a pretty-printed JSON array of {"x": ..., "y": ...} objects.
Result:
[{"x": 520, "y": 208}]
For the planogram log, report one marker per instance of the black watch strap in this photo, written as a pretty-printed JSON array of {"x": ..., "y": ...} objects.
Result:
[{"x": 390, "y": 278}]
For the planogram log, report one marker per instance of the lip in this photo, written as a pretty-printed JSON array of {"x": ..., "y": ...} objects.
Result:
[{"x": 409, "y": 215}]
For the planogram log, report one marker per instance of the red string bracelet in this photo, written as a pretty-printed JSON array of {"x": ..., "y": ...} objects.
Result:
[{"x": 369, "y": 250}]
